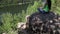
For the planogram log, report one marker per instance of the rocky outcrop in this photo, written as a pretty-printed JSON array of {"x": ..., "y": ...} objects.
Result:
[{"x": 39, "y": 23}]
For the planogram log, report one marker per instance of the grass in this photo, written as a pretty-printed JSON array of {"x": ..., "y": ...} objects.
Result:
[{"x": 9, "y": 20}]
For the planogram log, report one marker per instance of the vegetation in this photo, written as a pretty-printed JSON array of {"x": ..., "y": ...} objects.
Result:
[
  {"x": 14, "y": 13},
  {"x": 9, "y": 21},
  {"x": 56, "y": 6}
]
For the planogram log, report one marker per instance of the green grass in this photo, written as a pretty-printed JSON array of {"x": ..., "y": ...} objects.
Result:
[
  {"x": 11, "y": 15},
  {"x": 10, "y": 20}
]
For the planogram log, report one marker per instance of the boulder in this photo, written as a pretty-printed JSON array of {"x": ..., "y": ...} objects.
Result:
[{"x": 42, "y": 23}]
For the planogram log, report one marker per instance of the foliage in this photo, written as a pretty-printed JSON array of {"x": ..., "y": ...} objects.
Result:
[
  {"x": 33, "y": 8},
  {"x": 9, "y": 21},
  {"x": 55, "y": 6},
  {"x": 23, "y": 14},
  {"x": 12, "y": 32},
  {"x": 6, "y": 20}
]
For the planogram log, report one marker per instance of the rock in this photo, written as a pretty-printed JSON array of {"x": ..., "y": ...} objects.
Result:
[
  {"x": 51, "y": 21},
  {"x": 3, "y": 33},
  {"x": 37, "y": 21},
  {"x": 21, "y": 25}
]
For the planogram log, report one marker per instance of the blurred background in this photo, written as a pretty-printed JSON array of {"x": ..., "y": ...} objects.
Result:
[{"x": 15, "y": 11}]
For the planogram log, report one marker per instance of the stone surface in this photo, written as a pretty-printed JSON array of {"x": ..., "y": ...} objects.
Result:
[{"x": 42, "y": 24}]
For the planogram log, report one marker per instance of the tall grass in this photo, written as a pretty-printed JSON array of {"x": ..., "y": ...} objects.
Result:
[
  {"x": 33, "y": 8},
  {"x": 9, "y": 21},
  {"x": 55, "y": 6}
]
